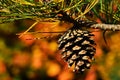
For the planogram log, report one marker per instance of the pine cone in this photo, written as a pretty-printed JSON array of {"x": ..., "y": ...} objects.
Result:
[{"x": 77, "y": 48}]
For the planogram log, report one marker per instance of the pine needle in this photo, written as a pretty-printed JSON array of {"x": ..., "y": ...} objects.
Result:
[
  {"x": 88, "y": 8},
  {"x": 28, "y": 29}
]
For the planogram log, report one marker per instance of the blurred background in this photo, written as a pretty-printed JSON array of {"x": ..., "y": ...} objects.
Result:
[{"x": 26, "y": 58}]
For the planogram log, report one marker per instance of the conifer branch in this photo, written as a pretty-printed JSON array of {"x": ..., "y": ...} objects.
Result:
[{"x": 11, "y": 10}]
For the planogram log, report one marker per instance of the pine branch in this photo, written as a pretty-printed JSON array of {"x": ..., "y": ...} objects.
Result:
[{"x": 11, "y": 10}]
